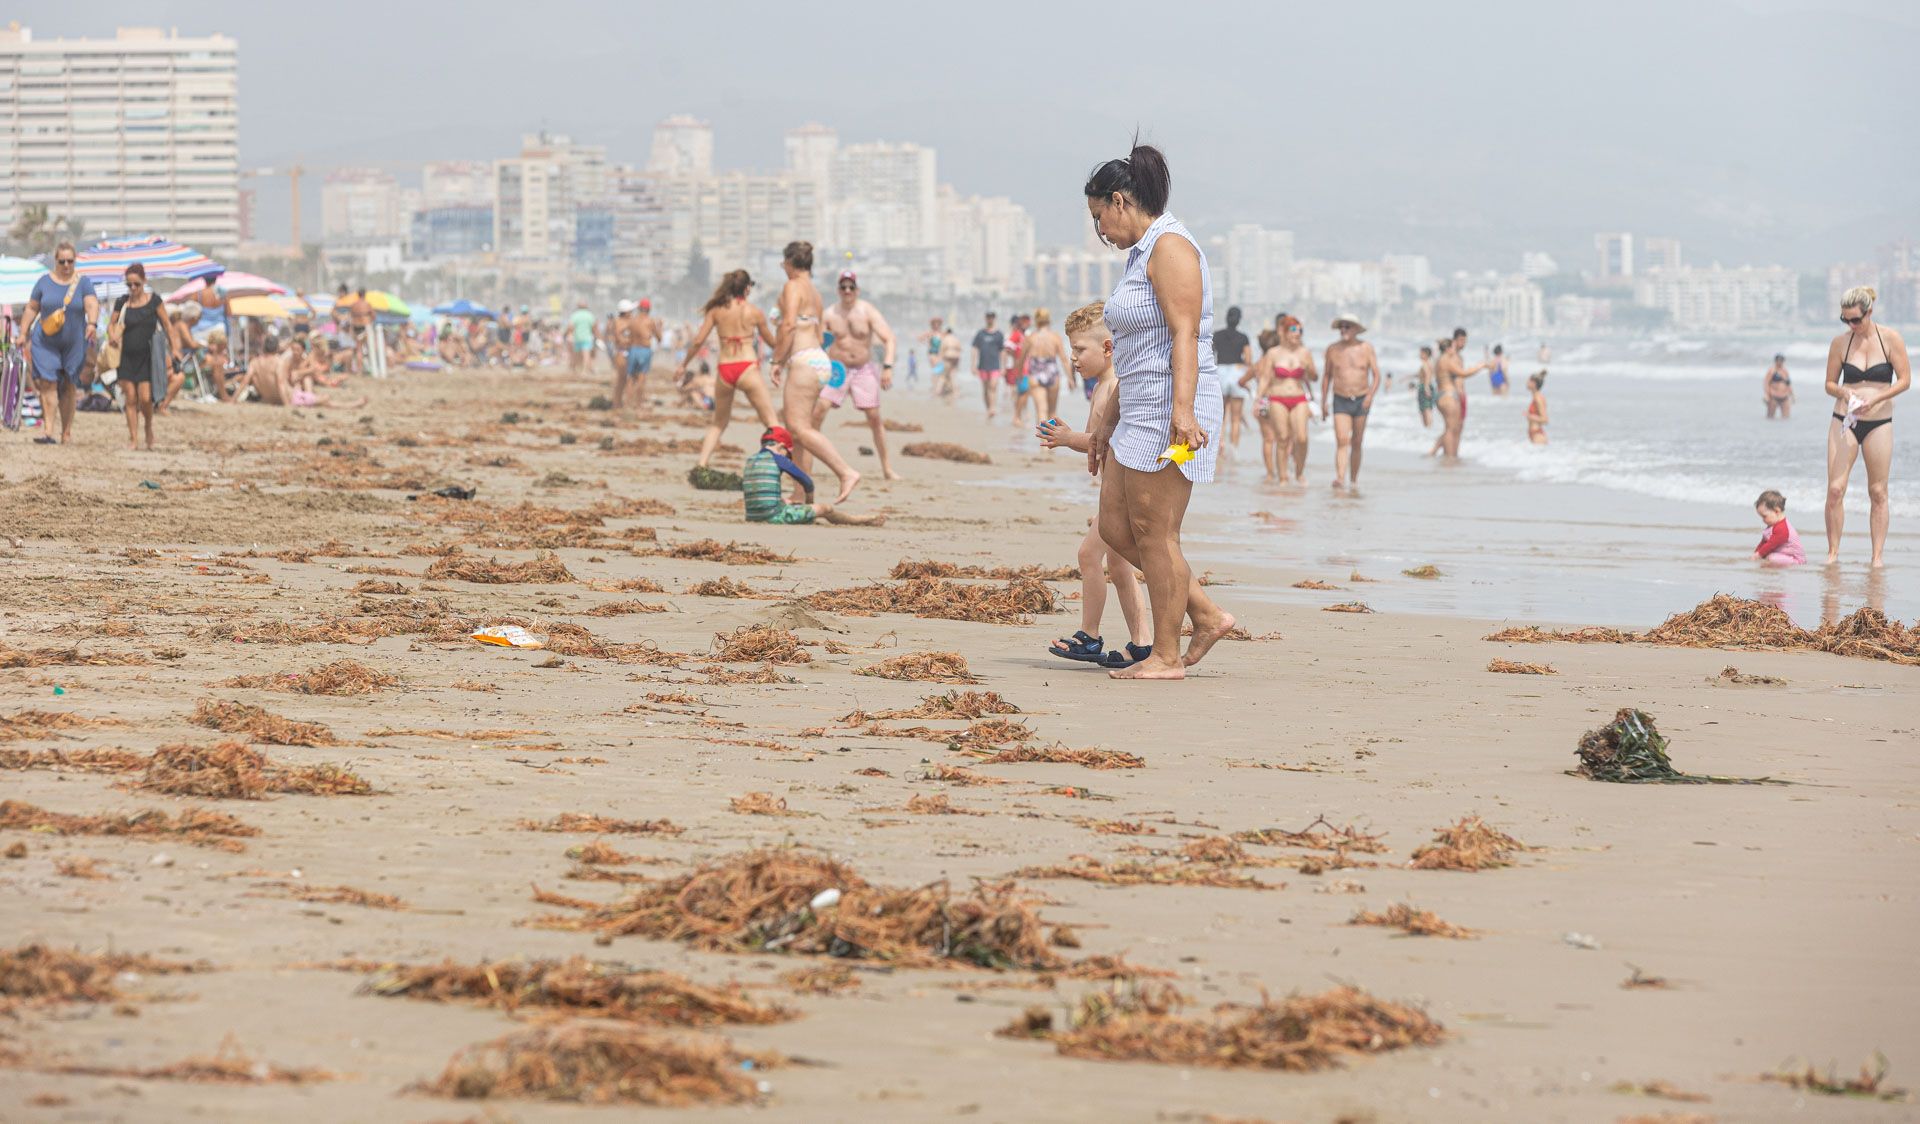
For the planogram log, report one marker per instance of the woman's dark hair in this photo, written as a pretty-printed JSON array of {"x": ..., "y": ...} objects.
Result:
[
  {"x": 1459, "y": 333},
  {"x": 1779, "y": 359},
  {"x": 1499, "y": 349},
  {"x": 1233, "y": 317},
  {"x": 732, "y": 284},
  {"x": 799, "y": 255},
  {"x": 1426, "y": 351},
  {"x": 1141, "y": 176},
  {"x": 135, "y": 269}
]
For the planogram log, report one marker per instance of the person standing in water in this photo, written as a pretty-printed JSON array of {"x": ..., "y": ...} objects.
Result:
[
  {"x": 1353, "y": 378},
  {"x": 807, "y": 366},
  {"x": 1043, "y": 356},
  {"x": 1453, "y": 393},
  {"x": 1537, "y": 409},
  {"x": 1867, "y": 368},
  {"x": 1283, "y": 377},
  {"x": 1497, "y": 372},
  {"x": 989, "y": 345},
  {"x": 1230, "y": 346},
  {"x": 1426, "y": 393},
  {"x": 856, "y": 326},
  {"x": 1778, "y": 389}
]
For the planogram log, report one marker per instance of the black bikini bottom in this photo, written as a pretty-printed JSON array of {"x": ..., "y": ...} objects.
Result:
[{"x": 1861, "y": 427}]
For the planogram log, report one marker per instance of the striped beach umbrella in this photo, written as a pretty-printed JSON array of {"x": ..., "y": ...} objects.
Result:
[
  {"x": 17, "y": 278},
  {"x": 107, "y": 261},
  {"x": 233, "y": 283}
]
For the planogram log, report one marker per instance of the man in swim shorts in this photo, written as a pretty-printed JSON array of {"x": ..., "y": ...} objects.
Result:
[
  {"x": 989, "y": 345},
  {"x": 856, "y": 326},
  {"x": 1353, "y": 378},
  {"x": 585, "y": 331}
]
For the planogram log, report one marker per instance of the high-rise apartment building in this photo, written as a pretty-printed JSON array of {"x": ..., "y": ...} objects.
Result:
[
  {"x": 1259, "y": 266},
  {"x": 985, "y": 242},
  {"x": 456, "y": 183},
  {"x": 682, "y": 146},
  {"x": 138, "y": 134},
  {"x": 359, "y": 206},
  {"x": 1659, "y": 253},
  {"x": 1616, "y": 256},
  {"x": 539, "y": 194},
  {"x": 884, "y": 197},
  {"x": 1719, "y": 299}
]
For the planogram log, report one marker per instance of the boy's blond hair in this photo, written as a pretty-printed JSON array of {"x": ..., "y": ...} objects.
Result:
[{"x": 1087, "y": 316}]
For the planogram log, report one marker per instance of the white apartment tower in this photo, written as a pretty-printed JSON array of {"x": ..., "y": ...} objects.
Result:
[
  {"x": 884, "y": 197},
  {"x": 1260, "y": 266},
  {"x": 138, "y": 134},
  {"x": 360, "y": 205},
  {"x": 456, "y": 183},
  {"x": 682, "y": 146},
  {"x": 538, "y": 196}
]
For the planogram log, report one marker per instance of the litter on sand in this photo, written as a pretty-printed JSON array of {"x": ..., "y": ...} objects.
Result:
[{"x": 1631, "y": 750}]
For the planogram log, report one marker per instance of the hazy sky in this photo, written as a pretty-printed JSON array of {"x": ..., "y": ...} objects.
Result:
[{"x": 1754, "y": 130}]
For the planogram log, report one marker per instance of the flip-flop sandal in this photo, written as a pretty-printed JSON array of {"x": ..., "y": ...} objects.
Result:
[
  {"x": 46, "y": 441},
  {"x": 1083, "y": 648},
  {"x": 1133, "y": 655}
]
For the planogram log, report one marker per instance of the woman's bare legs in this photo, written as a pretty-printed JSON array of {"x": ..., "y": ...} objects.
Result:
[
  {"x": 1126, "y": 590},
  {"x": 1297, "y": 425},
  {"x": 1878, "y": 453},
  {"x": 803, "y": 393},
  {"x": 1449, "y": 407},
  {"x": 1841, "y": 452},
  {"x": 749, "y": 384},
  {"x": 139, "y": 407},
  {"x": 1271, "y": 453},
  {"x": 1140, "y": 517}
]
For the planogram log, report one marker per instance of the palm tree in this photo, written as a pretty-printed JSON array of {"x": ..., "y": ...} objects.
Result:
[{"x": 35, "y": 230}]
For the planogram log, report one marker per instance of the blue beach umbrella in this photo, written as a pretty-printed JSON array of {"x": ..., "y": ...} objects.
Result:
[{"x": 464, "y": 307}]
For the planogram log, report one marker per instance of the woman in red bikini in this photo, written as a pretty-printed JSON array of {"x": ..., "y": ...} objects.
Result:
[
  {"x": 737, "y": 322},
  {"x": 1285, "y": 372},
  {"x": 1453, "y": 393}
]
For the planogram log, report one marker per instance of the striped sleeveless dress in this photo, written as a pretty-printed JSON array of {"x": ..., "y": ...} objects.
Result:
[{"x": 1143, "y": 363}]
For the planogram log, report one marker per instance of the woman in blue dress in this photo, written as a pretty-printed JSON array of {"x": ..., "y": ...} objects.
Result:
[{"x": 65, "y": 301}]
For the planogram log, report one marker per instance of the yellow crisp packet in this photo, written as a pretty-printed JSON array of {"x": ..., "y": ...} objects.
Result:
[{"x": 1178, "y": 454}]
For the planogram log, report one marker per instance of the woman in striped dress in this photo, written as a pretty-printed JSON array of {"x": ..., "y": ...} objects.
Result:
[{"x": 1161, "y": 317}]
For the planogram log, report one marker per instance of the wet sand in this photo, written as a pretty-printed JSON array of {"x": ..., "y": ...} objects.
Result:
[{"x": 1782, "y": 914}]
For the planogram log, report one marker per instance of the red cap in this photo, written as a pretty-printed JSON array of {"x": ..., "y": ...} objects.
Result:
[
  {"x": 779, "y": 436},
  {"x": 646, "y": 304},
  {"x": 847, "y": 275}
]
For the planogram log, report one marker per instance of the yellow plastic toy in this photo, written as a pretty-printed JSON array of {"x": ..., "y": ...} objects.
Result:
[{"x": 1178, "y": 454}]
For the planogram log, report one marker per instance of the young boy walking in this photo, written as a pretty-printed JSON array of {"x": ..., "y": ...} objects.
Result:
[{"x": 1092, "y": 347}]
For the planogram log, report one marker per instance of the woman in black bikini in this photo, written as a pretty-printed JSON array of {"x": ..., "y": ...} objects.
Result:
[
  {"x": 1779, "y": 389},
  {"x": 1866, "y": 367}
]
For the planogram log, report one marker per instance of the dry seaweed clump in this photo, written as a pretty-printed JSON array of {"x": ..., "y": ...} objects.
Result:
[
  {"x": 236, "y": 771},
  {"x": 1534, "y": 634},
  {"x": 74, "y": 760},
  {"x": 1016, "y": 602},
  {"x": 34, "y": 973},
  {"x": 1427, "y": 572},
  {"x": 1132, "y": 872},
  {"x": 1413, "y": 922},
  {"x": 945, "y": 451},
  {"x": 588, "y": 822},
  {"x": 821, "y": 979},
  {"x": 228, "y": 1065},
  {"x": 66, "y": 657},
  {"x": 928, "y": 568},
  {"x": 800, "y": 901},
  {"x": 603, "y": 1063},
  {"x": 193, "y": 825},
  {"x": 1059, "y": 755},
  {"x": 341, "y": 677},
  {"x": 1300, "y": 1034},
  {"x": 259, "y": 725},
  {"x": 1509, "y": 667},
  {"x": 30, "y": 724},
  {"x": 1631, "y": 750},
  {"x": 1735, "y": 676},
  {"x": 1725, "y": 621},
  {"x": 578, "y": 986},
  {"x": 1467, "y": 845},
  {"x": 953, "y": 704},
  {"x": 762, "y": 804},
  {"x": 1866, "y": 633},
  {"x": 760, "y": 644},
  {"x": 461, "y": 566},
  {"x": 1347, "y": 607},
  {"x": 1314, "y": 583},
  {"x": 721, "y": 587},
  {"x": 712, "y": 550},
  {"x": 1870, "y": 1085},
  {"x": 924, "y": 667}
]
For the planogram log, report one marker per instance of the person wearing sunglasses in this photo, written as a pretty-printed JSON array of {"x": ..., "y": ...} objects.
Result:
[
  {"x": 59, "y": 329},
  {"x": 144, "y": 334},
  {"x": 1867, "y": 367},
  {"x": 857, "y": 326}
]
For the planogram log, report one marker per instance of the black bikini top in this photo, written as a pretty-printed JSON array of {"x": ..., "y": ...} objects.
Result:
[{"x": 1879, "y": 372}]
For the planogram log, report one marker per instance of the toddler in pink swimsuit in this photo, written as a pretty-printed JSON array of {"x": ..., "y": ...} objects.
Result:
[{"x": 1780, "y": 546}]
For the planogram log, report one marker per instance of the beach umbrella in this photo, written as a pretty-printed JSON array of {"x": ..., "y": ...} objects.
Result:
[
  {"x": 464, "y": 308},
  {"x": 265, "y": 307},
  {"x": 233, "y": 283},
  {"x": 106, "y": 262},
  {"x": 383, "y": 301},
  {"x": 17, "y": 279}
]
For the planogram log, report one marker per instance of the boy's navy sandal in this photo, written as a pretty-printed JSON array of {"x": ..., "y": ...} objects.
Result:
[
  {"x": 1084, "y": 648},
  {"x": 1133, "y": 655}
]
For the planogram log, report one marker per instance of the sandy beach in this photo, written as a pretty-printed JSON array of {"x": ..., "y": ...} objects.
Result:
[{"x": 1778, "y": 919}]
